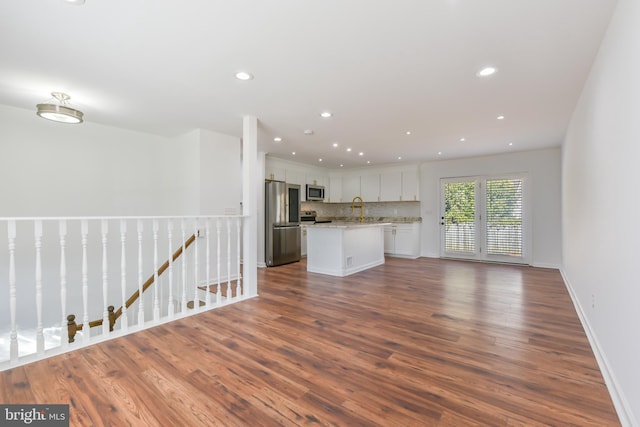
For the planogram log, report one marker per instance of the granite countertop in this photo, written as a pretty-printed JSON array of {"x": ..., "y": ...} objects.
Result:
[
  {"x": 372, "y": 219},
  {"x": 337, "y": 224}
]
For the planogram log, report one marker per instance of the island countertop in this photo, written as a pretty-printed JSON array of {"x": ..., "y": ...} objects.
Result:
[{"x": 348, "y": 224}]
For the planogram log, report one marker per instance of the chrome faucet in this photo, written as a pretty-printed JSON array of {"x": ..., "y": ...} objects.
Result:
[{"x": 360, "y": 206}]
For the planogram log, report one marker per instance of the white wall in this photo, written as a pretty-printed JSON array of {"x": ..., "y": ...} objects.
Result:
[
  {"x": 543, "y": 171},
  {"x": 53, "y": 169},
  {"x": 601, "y": 153},
  {"x": 220, "y": 174}
]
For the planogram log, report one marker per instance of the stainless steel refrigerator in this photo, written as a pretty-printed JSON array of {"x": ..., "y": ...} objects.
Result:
[{"x": 282, "y": 223}]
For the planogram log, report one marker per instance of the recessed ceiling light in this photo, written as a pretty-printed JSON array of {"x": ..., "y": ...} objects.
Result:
[
  {"x": 463, "y": 139},
  {"x": 308, "y": 132},
  {"x": 319, "y": 160},
  {"x": 439, "y": 153},
  {"x": 341, "y": 165},
  {"x": 326, "y": 114},
  {"x": 335, "y": 144},
  {"x": 277, "y": 139},
  {"x": 510, "y": 144},
  {"x": 500, "y": 117},
  {"x": 349, "y": 150},
  {"x": 486, "y": 71},
  {"x": 399, "y": 157},
  {"x": 408, "y": 132},
  {"x": 76, "y": 2},
  {"x": 243, "y": 75},
  {"x": 361, "y": 154},
  {"x": 293, "y": 153},
  {"x": 368, "y": 162}
]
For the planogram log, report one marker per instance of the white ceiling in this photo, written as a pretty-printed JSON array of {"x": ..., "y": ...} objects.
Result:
[{"x": 381, "y": 67}]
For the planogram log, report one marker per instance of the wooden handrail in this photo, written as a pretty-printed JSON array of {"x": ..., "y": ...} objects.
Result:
[{"x": 73, "y": 327}]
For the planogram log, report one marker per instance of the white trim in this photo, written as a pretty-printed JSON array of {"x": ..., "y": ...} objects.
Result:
[{"x": 620, "y": 402}]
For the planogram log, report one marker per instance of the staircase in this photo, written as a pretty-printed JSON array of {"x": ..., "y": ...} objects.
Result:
[{"x": 93, "y": 265}]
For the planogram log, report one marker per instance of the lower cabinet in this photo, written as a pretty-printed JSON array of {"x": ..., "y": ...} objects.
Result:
[
  {"x": 303, "y": 240},
  {"x": 402, "y": 240}
]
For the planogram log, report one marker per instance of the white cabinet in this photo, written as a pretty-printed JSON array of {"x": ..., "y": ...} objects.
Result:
[
  {"x": 389, "y": 239},
  {"x": 410, "y": 186},
  {"x": 370, "y": 188},
  {"x": 335, "y": 189},
  {"x": 315, "y": 179},
  {"x": 303, "y": 240},
  {"x": 350, "y": 187},
  {"x": 402, "y": 240},
  {"x": 295, "y": 177},
  {"x": 276, "y": 173},
  {"x": 391, "y": 186}
]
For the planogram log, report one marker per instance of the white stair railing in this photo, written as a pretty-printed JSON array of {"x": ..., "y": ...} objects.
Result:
[{"x": 52, "y": 268}]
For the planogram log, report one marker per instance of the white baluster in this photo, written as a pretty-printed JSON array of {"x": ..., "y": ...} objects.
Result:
[
  {"x": 196, "y": 299},
  {"x": 218, "y": 231},
  {"x": 105, "y": 277},
  {"x": 229, "y": 294},
  {"x": 239, "y": 280},
  {"x": 208, "y": 264},
  {"x": 13, "y": 349},
  {"x": 140, "y": 299},
  {"x": 184, "y": 268},
  {"x": 124, "y": 320},
  {"x": 62, "y": 227},
  {"x": 38, "y": 245},
  {"x": 156, "y": 285},
  {"x": 171, "y": 307},
  {"x": 84, "y": 231}
]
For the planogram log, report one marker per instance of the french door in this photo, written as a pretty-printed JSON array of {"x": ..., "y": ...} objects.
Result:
[{"x": 484, "y": 218}]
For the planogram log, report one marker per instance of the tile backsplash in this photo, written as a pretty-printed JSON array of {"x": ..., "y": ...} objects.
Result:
[{"x": 371, "y": 209}]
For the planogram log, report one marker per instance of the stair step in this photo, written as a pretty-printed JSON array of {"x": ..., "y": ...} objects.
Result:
[{"x": 190, "y": 304}]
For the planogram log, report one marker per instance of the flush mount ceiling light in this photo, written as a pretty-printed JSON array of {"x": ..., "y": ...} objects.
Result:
[
  {"x": 60, "y": 112},
  {"x": 243, "y": 75},
  {"x": 486, "y": 71},
  {"x": 325, "y": 114},
  {"x": 500, "y": 117},
  {"x": 277, "y": 139}
]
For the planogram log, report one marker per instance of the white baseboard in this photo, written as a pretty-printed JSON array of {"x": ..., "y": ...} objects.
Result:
[
  {"x": 620, "y": 402},
  {"x": 546, "y": 265}
]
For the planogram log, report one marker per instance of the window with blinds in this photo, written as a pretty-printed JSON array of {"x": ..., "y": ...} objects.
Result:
[
  {"x": 504, "y": 217},
  {"x": 460, "y": 212}
]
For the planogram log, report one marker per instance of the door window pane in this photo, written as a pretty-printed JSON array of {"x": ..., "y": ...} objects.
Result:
[{"x": 460, "y": 230}]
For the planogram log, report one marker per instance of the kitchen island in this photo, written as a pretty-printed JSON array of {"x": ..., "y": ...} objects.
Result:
[{"x": 341, "y": 249}]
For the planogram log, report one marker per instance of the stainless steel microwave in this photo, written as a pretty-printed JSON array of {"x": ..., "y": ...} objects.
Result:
[{"x": 315, "y": 192}]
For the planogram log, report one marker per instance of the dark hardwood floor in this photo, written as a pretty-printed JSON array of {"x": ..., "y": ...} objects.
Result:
[{"x": 410, "y": 343}]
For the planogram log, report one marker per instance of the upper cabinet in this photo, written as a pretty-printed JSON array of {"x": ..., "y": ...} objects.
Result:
[
  {"x": 370, "y": 187},
  {"x": 350, "y": 187},
  {"x": 335, "y": 189},
  {"x": 390, "y": 186},
  {"x": 275, "y": 173},
  {"x": 382, "y": 184},
  {"x": 295, "y": 177},
  {"x": 410, "y": 189},
  {"x": 316, "y": 179}
]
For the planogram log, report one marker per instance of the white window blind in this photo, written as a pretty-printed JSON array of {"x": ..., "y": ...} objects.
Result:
[{"x": 504, "y": 217}]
